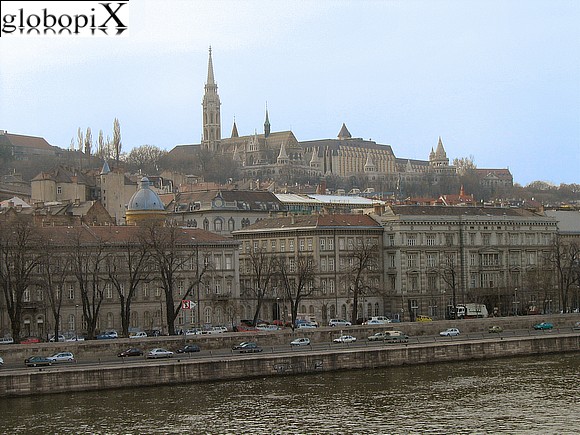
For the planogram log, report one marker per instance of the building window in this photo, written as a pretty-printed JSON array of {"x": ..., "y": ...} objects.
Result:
[
  {"x": 273, "y": 245},
  {"x": 391, "y": 240},
  {"x": 331, "y": 287},
  {"x": 486, "y": 239},
  {"x": 431, "y": 259},
  {"x": 292, "y": 265},
  {"x": 430, "y": 239},
  {"x": 229, "y": 262},
  {"x": 341, "y": 244},
  {"x": 309, "y": 244},
  {"x": 331, "y": 264},
  {"x": 322, "y": 244},
  {"x": 411, "y": 240},
  {"x": 411, "y": 260},
  {"x": 71, "y": 292},
  {"x": 282, "y": 245},
  {"x": 291, "y": 245},
  {"x": 449, "y": 239},
  {"x": 231, "y": 224},
  {"x": 218, "y": 225},
  {"x": 59, "y": 190},
  {"x": 323, "y": 264},
  {"x": 331, "y": 244},
  {"x": 108, "y": 291}
]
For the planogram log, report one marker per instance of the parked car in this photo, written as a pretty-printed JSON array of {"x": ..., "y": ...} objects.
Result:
[
  {"x": 307, "y": 325},
  {"x": 140, "y": 334},
  {"x": 450, "y": 332},
  {"x": 62, "y": 357},
  {"x": 159, "y": 353},
  {"x": 107, "y": 335},
  {"x": 423, "y": 319},
  {"x": 188, "y": 348},
  {"x": 30, "y": 340},
  {"x": 344, "y": 339},
  {"x": 76, "y": 338},
  {"x": 60, "y": 338},
  {"x": 6, "y": 340},
  {"x": 267, "y": 328},
  {"x": 339, "y": 322},
  {"x": 495, "y": 328},
  {"x": 1, "y": 362},
  {"x": 36, "y": 361},
  {"x": 250, "y": 347},
  {"x": 132, "y": 351},
  {"x": 377, "y": 320},
  {"x": 302, "y": 341},
  {"x": 543, "y": 325},
  {"x": 576, "y": 326}
]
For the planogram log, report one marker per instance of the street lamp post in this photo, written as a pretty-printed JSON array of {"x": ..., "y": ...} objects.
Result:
[{"x": 75, "y": 325}]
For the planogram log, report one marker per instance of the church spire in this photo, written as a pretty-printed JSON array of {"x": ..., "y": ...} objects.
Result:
[
  {"x": 267, "y": 124},
  {"x": 235, "y": 130},
  {"x": 211, "y": 111},
  {"x": 210, "y": 79}
]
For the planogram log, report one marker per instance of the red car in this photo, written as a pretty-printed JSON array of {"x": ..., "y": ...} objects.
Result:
[{"x": 30, "y": 340}]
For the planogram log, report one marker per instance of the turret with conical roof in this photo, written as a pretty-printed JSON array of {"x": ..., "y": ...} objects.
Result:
[
  {"x": 235, "y": 130},
  {"x": 439, "y": 157},
  {"x": 344, "y": 133}
]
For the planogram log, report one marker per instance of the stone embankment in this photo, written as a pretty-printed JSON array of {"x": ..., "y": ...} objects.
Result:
[{"x": 188, "y": 370}]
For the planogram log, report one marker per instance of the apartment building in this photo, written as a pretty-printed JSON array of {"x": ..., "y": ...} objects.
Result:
[
  {"x": 438, "y": 257},
  {"x": 333, "y": 245}
]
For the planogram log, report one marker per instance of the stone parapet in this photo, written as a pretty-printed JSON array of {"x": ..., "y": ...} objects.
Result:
[{"x": 188, "y": 370}]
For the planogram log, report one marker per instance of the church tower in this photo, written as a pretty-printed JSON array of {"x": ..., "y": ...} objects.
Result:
[{"x": 211, "y": 112}]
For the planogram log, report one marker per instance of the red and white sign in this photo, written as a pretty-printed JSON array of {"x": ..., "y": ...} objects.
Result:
[{"x": 186, "y": 305}]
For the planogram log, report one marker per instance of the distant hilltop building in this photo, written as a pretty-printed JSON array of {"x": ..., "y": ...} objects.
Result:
[{"x": 268, "y": 154}]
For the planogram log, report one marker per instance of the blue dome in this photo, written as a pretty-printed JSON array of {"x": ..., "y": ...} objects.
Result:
[{"x": 145, "y": 199}]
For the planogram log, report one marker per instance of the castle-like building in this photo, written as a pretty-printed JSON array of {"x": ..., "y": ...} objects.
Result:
[{"x": 269, "y": 155}]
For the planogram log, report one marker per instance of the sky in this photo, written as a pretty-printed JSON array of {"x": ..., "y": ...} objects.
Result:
[{"x": 497, "y": 80}]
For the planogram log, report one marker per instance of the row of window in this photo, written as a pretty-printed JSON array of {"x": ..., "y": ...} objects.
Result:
[
  {"x": 473, "y": 239},
  {"x": 307, "y": 244}
]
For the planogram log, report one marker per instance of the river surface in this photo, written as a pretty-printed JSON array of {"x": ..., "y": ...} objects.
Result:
[{"x": 535, "y": 395}]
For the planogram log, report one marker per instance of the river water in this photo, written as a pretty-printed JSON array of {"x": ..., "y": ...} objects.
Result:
[{"x": 535, "y": 395}]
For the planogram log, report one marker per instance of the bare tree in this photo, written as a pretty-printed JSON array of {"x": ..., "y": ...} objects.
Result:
[
  {"x": 130, "y": 267},
  {"x": 450, "y": 274},
  {"x": 565, "y": 258},
  {"x": 19, "y": 258},
  {"x": 263, "y": 268},
  {"x": 117, "y": 139},
  {"x": 361, "y": 272},
  {"x": 296, "y": 274},
  {"x": 88, "y": 255},
  {"x": 146, "y": 158},
  {"x": 172, "y": 253},
  {"x": 54, "y": 270}
]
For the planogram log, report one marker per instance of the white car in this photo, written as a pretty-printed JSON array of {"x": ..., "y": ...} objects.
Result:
[
  {"x": 302, "y": 341},
  {"x": 306, "y": 326},
  {"x": 1, "y": 361},
  {"x": 60, "y": 338},
  {"x": 450, "y": 332},
  {"x": 339, "y": 322},
  {"x": 345, "y": 339},
  {"x": 140, "y": 334},
  {"x": 159, "y": 353},
  {"x": 62, "y": 357}
]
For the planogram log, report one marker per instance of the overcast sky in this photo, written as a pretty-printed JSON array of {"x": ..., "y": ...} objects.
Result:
[{"x": 497, "y": 80}]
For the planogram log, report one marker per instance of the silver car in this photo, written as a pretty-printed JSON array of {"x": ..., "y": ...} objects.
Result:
[{"x": 159, "y": 353}]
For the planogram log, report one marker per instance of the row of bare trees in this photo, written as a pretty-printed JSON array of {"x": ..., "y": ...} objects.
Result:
[
  {"x": 297, "y": 275},
  {"x": 46, "y": 259}
]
